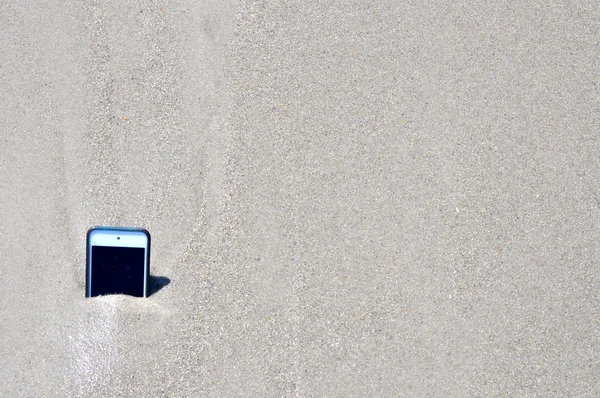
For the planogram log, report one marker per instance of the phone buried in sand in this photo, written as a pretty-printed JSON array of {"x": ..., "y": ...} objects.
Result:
[{"x": 117, "y": 261}]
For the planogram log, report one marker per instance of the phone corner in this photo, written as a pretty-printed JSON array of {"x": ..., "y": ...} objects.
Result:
[{"x": 147, "y": 233}]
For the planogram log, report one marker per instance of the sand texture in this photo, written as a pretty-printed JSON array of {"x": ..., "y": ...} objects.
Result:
[{"x": 346, "y": 198}]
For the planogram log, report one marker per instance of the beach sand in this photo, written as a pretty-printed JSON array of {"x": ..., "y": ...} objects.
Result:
[{"x": 347, "y": 198}]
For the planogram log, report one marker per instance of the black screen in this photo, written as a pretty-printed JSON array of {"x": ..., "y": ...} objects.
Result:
[{"x": 117, "y": 270}]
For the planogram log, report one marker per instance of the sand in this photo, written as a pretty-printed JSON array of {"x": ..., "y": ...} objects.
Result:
[{"x": 346, "y": 198}]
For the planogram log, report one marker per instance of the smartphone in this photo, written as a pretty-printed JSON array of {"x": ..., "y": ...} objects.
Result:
[{"x": 118, "y": 261}]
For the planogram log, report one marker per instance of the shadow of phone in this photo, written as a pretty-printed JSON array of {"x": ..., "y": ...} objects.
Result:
[{"x": 157, "y": 283}]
